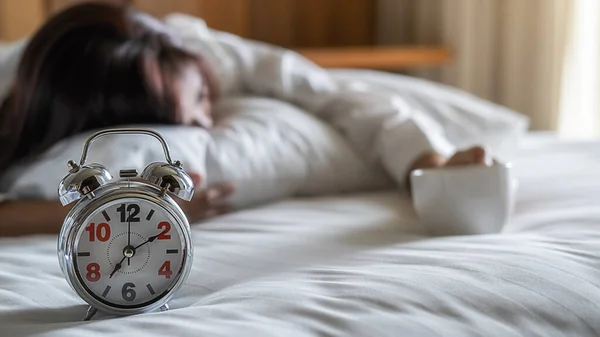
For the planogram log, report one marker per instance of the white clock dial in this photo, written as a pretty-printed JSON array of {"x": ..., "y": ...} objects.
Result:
[{"x": 129, "y": 253}]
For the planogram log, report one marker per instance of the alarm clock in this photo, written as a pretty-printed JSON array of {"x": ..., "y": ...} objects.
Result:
[{"x": 125, "y": 246}]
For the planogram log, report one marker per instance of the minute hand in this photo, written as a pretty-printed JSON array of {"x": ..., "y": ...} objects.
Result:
[
  {"x": 129, "y": 235},
  {"x": 150, "y": 239}
]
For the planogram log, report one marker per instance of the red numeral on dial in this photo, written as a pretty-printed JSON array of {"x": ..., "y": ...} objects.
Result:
[
  {"x": 93, "y": 272},
  {"x": 102, "y": 232},
  {"x": 167, "y": 227},
  {"x": 165, "y": 270}
]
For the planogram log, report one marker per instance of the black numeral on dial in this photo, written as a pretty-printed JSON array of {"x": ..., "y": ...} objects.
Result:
[
  {"x": 127, "y": 291},
  {"x": 132, "y": 210}
]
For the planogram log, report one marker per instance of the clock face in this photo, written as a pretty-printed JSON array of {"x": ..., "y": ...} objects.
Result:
[{"x": 129, "y": 253}]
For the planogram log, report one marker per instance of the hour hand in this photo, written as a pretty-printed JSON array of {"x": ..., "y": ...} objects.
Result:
[{"x": 117, "y": 267}]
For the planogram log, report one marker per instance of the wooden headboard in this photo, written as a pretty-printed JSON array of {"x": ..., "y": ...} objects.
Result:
[{"x": 332, "y": 33}]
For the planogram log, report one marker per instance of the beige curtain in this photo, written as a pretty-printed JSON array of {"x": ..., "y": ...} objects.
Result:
[
  {"x": 580, "y": 95},
  {"x": 509, "y": 51}
]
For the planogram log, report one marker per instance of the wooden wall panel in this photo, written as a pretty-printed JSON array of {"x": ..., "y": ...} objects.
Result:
[
  {"x": 160, "y": 8},
  {"x": 229, "y": 15},
  {"x": 352, "y": 22},
  {"x": 273, "y": 21},
  {"x": 313, "y": 23},
  {"x": 57, "y": 5},
  {"x": 289, "y": 23},
  {"x": 19, "y": 18},
  {"x": 299, "y": 24}
]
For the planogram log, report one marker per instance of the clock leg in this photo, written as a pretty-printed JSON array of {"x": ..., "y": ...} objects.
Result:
[
  {"x": 165, "y": 307},
  {"x": 90, "y": 313}
]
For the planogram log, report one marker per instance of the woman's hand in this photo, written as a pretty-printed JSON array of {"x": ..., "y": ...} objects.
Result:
[
  {"x": 473, "y": 156},
  {"x": 208, "y": 202}
]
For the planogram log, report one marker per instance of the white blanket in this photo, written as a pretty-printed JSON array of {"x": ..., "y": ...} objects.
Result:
[{"x": 358, "y": 265}]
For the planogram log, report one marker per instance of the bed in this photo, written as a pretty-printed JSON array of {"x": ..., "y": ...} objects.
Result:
[
  {"x": 356, "y": 263},
  {"x": 360, "y": 265}
]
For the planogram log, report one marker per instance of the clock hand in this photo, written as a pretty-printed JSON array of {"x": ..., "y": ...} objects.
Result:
[
  {"x": 117, "y": 267},
  {"x": 129, "y": 235},
  {"x": 120, "y": 264},
  {"x": 150, "y": 239}
]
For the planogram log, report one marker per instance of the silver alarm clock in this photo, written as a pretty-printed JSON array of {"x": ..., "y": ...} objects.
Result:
[{"x": 125, "y": 247}]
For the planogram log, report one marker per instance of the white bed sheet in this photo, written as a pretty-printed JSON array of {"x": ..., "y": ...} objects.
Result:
[{"x": 359, "y": 265}]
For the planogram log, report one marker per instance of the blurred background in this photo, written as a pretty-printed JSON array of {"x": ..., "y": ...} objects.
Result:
[{"x": 539, "y": 57}]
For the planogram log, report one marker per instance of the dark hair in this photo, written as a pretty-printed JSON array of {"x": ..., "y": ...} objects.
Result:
[{"x": 92, "y": 66}]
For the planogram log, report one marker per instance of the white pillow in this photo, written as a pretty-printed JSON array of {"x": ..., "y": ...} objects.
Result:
[
  {"x": 277, "y": 147},
  {"x": 269, "y": 149}
]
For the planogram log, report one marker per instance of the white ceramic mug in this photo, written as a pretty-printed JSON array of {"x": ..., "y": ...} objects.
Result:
[{"x": 468, "y": 200}]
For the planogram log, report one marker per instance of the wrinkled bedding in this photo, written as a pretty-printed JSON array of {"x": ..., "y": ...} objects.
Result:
[{"x": 359, "y": 265}]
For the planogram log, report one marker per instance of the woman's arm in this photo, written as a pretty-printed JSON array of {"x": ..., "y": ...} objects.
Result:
[{"x": 31, "y": 217}]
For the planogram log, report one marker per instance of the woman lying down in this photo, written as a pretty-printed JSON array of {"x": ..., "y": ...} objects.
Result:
[{"x": 96, "y": 66}]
